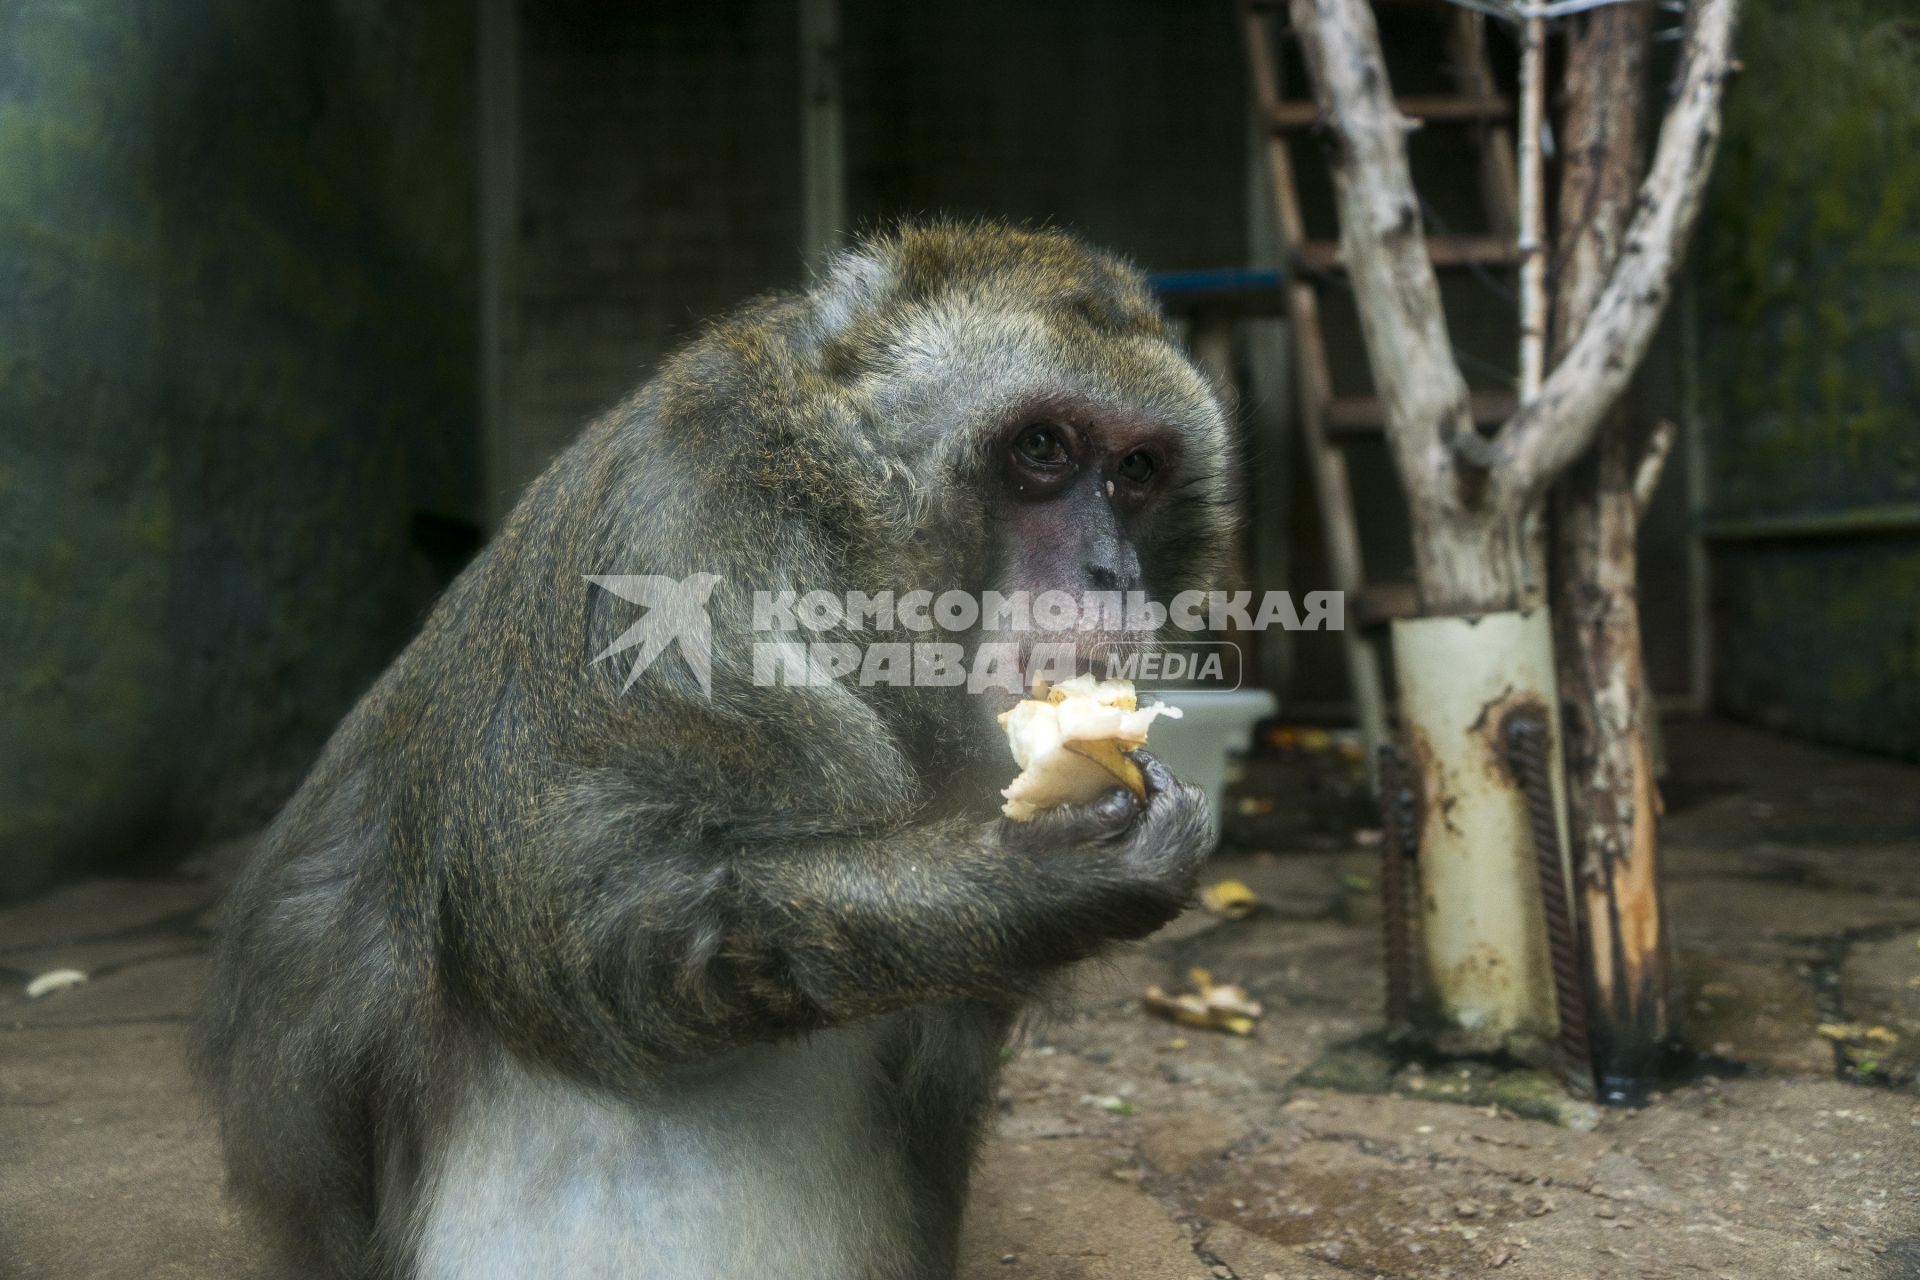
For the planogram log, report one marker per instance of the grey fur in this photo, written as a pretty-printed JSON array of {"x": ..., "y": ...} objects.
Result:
[{"x": 537, "y": 976}]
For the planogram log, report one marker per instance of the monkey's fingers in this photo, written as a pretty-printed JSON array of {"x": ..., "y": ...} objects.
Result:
[
  {"x": 1154, "y": 773},
  {"x": 1106, "y": 817}
]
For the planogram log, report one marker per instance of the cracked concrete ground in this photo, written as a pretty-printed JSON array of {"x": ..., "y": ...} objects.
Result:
[{"x": 1129, "y": 1148}]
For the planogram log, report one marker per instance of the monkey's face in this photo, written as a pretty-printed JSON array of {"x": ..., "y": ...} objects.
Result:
[
  {"x": 1076, "y": 499},
  {"x": 1072, "y": 446},
  {"x": 1109, "y": 476},
  {"x": 1102, "y": 469}
]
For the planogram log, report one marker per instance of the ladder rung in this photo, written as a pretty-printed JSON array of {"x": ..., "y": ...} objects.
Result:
[
  {"x": 1431, "y": 108},
  {"x": 1446, "y": 251},
  {"x": 1362, "y": 415},
  {"x": 1385, "y": 601}
]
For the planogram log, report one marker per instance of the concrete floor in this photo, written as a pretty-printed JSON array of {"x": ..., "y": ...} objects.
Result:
[{"x": 1127, "y": 1148}]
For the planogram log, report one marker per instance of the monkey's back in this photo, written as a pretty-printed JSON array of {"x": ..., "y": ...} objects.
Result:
[{"x": 392, "y": 932}]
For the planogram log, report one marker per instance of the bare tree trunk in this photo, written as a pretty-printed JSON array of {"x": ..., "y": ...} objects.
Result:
[
  {"x": 1470, "y": 495},
  {"x": 1611, "y": 797}
]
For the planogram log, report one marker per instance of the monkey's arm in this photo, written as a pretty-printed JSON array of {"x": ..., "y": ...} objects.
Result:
[{"x": 801, "y": 937}]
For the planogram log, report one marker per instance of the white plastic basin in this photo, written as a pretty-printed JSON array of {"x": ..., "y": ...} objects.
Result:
[{"x": 1214, "y": 723}]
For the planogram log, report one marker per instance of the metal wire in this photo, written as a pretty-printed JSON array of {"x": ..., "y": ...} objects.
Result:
[{"x": 1514, "y": 12}]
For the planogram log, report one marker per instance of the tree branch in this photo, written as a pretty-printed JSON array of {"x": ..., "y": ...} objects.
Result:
[
  {"x": 1533, "y": 206},
  {"x": 1554, "y": 428},
  {"x": 1646, "y": 477},
  {"x": 1422, "y": 395}
]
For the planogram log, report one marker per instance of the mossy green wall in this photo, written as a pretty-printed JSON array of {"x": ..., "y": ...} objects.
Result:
[
  {"x": 1810, "y": 268},
  {"x": 235, "y": 381}
]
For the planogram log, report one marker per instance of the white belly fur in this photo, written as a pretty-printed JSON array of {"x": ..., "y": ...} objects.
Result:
[{"x": 781, "y": 1163}]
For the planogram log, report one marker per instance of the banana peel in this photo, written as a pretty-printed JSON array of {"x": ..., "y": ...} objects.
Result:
[
  {"x": 1230, "y": 900},
  {"x": 1213, "y": 1006}
]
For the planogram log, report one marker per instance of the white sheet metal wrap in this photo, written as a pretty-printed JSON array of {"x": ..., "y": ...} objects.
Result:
[{"x": 1480, "y": 919}]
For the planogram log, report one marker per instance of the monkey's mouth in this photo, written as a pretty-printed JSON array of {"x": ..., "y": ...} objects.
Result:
[
  {"x": 1053, "y": 656},
  {"x": 1047, "y": 658}
]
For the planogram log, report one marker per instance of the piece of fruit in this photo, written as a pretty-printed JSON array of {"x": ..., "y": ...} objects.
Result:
[{"x": 1072, "y": 744}]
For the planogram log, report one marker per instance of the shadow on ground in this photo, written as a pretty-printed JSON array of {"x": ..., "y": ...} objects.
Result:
[{"x": 1131, "y": 1149}]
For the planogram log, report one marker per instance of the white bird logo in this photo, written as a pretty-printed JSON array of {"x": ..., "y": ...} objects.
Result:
[{"x": 676, "y": 609}]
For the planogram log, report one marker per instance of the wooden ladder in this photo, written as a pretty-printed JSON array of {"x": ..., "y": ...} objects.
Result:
[{"x": 1328, "y": 420}]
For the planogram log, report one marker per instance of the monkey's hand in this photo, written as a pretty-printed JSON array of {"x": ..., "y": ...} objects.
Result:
[
  {"x": 1142, "y": 857},
  {"x": 794, "y": 936}
]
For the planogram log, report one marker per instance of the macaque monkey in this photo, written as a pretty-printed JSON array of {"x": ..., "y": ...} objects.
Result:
[{"x": 546, "y": 971}]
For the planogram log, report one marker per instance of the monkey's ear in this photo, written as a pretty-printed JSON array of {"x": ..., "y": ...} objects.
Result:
[
  {"x": 1227, "y": 393},
  {"x": 854, "y": 282},
  {"x": 1219, "y": 381}
]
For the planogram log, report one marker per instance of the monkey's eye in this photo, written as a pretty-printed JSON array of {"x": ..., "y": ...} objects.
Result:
[
  {"x": 1041, "y": 445},
  {"x": 1137, "y": 467}
]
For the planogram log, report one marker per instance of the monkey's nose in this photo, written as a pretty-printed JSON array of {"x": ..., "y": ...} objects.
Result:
[{"x": 1103, "y": 578}]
